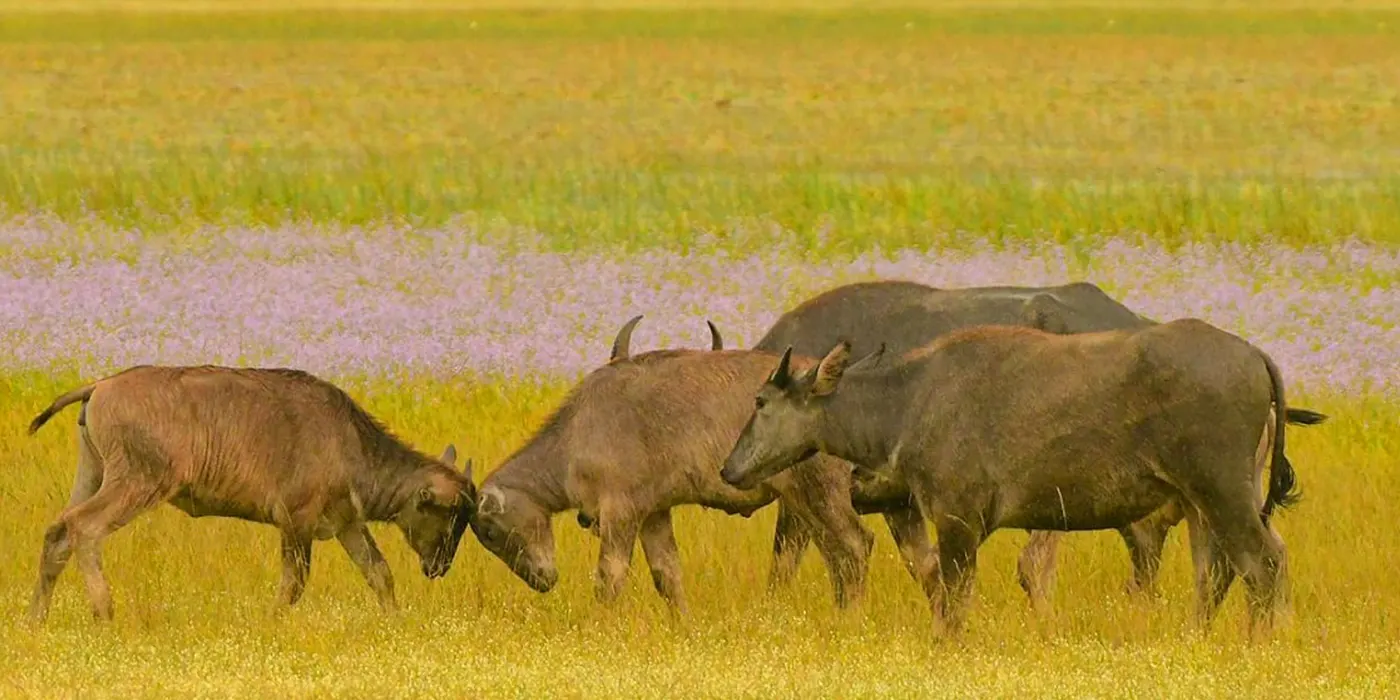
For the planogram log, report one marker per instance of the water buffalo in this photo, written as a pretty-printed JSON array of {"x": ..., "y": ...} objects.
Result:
[
  {"x": 638, "y": 437},
  {"x": 1010, "y": 427},
  {"x": 903, "y": 315},
  {"x": 276, "y": 446}
]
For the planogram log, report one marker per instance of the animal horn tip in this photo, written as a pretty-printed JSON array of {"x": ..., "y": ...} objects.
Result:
[
  {"x": 621, "y": 348},
  {"x": 716, "y": 341}
]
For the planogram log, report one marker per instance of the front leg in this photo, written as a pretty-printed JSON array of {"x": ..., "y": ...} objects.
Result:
[
  {"x": 958, "y": 540},
  {"x": 296, "y": 564},
  {"x": 664, "y": 559},
  {"x": 618, "y": 533},
  {"x": 790, "y": 539},
  {"x": 910, "y": 534},
  {"x": 357, "y": 542}
]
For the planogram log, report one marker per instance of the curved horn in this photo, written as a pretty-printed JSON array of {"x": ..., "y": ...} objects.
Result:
[
  {"x": 622, "y": 343},
  {"x": 716, "y": 342}
]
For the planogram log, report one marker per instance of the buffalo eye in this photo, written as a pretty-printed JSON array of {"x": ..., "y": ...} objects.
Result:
[{"x": 759, "y": 403}]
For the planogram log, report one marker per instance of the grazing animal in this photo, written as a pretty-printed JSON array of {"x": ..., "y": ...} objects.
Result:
[
  {"x": 276, "y": 446},
  {"x": 1006, "y": 427},
  {"x": 901, "y": 316},
  {"x": 638, "y": 437}
]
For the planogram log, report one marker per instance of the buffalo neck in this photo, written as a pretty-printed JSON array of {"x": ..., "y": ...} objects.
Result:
[
  {"x": 861, "y": 420},
  {"x": 395, "y": 478},
  {"x": 537, "y": 472}
]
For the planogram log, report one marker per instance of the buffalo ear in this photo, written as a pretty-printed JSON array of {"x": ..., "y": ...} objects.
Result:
[
  {"x": 782, "y": 376},
  {"x": 467, "y": 469},
  {"x": 870, "y": 360},
  {"x": 449, "y": 455},
  {"x": 828, "y": 374}
]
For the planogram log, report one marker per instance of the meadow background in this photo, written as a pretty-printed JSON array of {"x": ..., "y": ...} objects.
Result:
[{"x": 449, "y": 208}]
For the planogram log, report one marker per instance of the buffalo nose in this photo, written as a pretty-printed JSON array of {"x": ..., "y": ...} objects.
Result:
[
  {"x": 727, "y": 474},
  {"x": 545, "y": 580}
]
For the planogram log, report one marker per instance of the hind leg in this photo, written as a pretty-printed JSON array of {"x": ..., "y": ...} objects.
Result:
[
  {"x": 57, "y": 549},
  {"x": 89, "y": 475},
  {"x": 1257, "y": 554},
  {"x": 52, "y": 559},
  {"x": 1214, "y": 574},
  {"x": 88, "y": 523},
  {"x": 790, "y": 540}
]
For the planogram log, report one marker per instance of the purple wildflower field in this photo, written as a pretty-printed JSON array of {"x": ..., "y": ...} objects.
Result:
[{"x": 390, "y": 302}]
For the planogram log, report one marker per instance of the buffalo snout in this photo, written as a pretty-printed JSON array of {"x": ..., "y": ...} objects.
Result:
[
  {"x": 734, "y": 475},
  {"x": 542, "y": 580}
]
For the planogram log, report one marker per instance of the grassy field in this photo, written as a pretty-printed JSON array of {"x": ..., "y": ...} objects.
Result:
[
  {"x": 450, "y": 206},
  {"x": 847, "y": 129}
]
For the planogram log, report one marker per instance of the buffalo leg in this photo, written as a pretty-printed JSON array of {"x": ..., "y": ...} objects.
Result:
[
  {"x": 1254, "y": 551},
  {"x": 85, "y": 526},
  {"x": 614, "y": 555},
  {"x": 790, "y": 540},
  {"x": 88, "y": 478},
  {"x": 844, "y": 542},
  {"x": 663, "y": 558},
  {"x": 1213, "y": 571},
  {"x": 57, "y": 549},
  {"x": 296, "y": 564},
  {"x": 1146, "y": 539},
  {"x": 958, "y": 542},
  {"x": 1036, "y": 567},
  {"x": 365, "y": 553},
  {"x": 910, "y": 534}
]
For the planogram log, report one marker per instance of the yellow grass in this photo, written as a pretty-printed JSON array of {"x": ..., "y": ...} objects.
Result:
[{"x": 194, "y": 598}]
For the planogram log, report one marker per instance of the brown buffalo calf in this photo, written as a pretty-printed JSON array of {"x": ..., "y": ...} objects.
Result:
[{"x": 274, "y": 446}]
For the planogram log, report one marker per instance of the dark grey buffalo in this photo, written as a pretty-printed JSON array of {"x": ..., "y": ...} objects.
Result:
[
  {"x": 639, "y": 436},
  {"x": 1006, "y": 427},
  {"x": 275, "y": 446},
  {"x": 902, "y": 315}
]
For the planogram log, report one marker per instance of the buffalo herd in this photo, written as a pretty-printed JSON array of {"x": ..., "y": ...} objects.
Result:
[{"x": 1046, "y": 409}]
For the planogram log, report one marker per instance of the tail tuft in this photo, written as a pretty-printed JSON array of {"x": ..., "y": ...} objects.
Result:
[
  {"x": 1302, "y": 416},
  {"x": 41, "y": 419},
  {"x": 1283, "y": 489}
]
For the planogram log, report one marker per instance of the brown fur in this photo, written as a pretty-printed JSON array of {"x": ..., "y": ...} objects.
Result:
[
  {"x": 904, "y": 316},
  {"x": 637, "y": 438},
  {"x": 275, "y": 446},
  {"x": 998, "y": 427}
]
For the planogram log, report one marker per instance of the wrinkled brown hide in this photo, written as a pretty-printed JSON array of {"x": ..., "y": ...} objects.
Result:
[
  {"x": 904, "y": 315},
  {"x": 275, "y": 446},
  {"x": 1004, "y": 427},
  {"x": 638, "y": 437}
]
